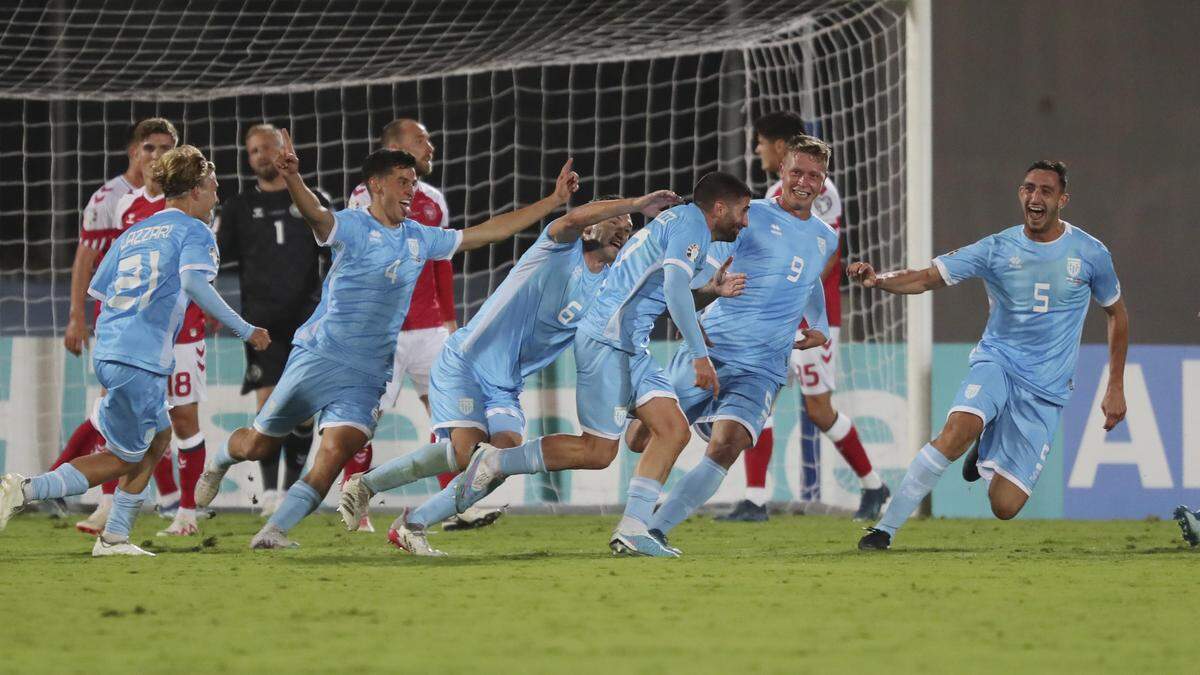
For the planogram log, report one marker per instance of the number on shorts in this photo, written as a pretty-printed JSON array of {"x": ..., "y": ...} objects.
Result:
[
  {"x": 129, "y": 277},
  {"x": 811, "y": 376},
  {"x": 180, "y": 385}
]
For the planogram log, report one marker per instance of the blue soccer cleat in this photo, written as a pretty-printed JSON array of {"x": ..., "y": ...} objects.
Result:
[
  {"x": 1188, "y": 524},
  {"x": 745, "y": 511},
  {"x": 641, "y": 544},
  {"x": 480, "y": 478}
]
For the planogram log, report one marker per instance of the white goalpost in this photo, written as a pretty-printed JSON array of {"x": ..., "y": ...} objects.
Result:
[{"x": 643, "y": 95}]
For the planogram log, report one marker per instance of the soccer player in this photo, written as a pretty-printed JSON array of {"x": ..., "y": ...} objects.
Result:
[
  {"x": 431, "y": 316},
  {"x": 1039, "y": 278},
  {"x": 144, "y": 286},
  {"x": 1189, "y": 524},
  {"x": 342, "y": 356},
  {"x": 616, "y": 375},
  {"x": 815, "y": 369},
  {"x": 783, "y": 252},
  {"x": 523, "y": 327},
  {"x": 257, "y": 229}
]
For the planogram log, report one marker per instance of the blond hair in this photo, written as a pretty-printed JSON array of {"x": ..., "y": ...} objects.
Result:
[
  {"x": 264, "y": 128},
  {"x": 180, "y": 170},
  {"x": 811, "y": 146},
  {"x": 153, "y": 125}
]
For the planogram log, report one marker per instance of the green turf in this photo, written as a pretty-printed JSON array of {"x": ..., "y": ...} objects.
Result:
[{"x": 542, "y": 594}]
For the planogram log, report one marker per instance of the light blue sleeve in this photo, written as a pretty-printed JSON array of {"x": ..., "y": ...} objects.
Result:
[
  {"x": 718, "y": 252},
  {"x": 195, "y": 284},
  {"x": 439, "y": 243},
  {"x": 1106, "y": 288},
  {"x": 686, "y": 241},
  {"x": 683, "y": 310},
  {"x": 348, "y": 228},
  {"x": 966, "y": 262},
  {"x": 199, "y": 252},
  {"x": 814, "y": 311}
]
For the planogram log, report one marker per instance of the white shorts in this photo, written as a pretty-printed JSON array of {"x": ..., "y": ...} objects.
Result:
[
  {"x": 187, "y": 383},
  {"x": 816, "y": 369},
  {"x": 416, "y": 350}
]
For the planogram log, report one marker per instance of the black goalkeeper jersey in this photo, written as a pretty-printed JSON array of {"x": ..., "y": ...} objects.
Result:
[{"x": 280, "y": 265}]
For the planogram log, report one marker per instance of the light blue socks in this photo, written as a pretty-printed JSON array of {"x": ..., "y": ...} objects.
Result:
[
  {"x": 428, "y": 460},
  {"x": 65, "y": 481},
  {"x": 301, "y": 499},
  {"x": 924, "y": 472},
  {"x": 222, "y": 459},
  {"x": 525, "y": 458},
  {"x": 438, "y": 507},
  {"x": 696, "y": 488},
  {"x": 125, "y": 508},
  {"x": 639, "y": 504}
]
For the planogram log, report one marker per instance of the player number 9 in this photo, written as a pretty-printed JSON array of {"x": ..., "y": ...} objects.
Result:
[{"x": 797, "y": 269}]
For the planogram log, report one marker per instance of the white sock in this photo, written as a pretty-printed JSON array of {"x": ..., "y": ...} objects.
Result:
[
  {"x": 871, "y": 481},
  {"x": 757, "y": 495},
  {"x": 840, "y": 427}
]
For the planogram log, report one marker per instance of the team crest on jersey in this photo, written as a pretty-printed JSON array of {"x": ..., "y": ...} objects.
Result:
[
  {"x": 619, "y": 413},
  {"x": 466, "y": 405},
  {"x": 821, "y": 245},
  {"x": 693, "y": 252},
  {"x": 1073, "y": 267},
  {"x": 414, "y": 248},
  {"x": 257, "y": 212},
  {"x": 1015, "y": 262},
  {"x": 972, "y": 390}
]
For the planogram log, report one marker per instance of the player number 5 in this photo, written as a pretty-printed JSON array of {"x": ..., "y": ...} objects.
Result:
[{"x": 1042, "y": 298}]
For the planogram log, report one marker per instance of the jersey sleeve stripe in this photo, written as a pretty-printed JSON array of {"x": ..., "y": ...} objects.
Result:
[
  {"x": 329, "y": 239},
  {"x": 941, "y": 268},
  {"x": 1111, "y": 301},
  {"x": 712, "y": 261},
  {"x": 681, "y": 265},
  {"x": 96, "y": 294}
]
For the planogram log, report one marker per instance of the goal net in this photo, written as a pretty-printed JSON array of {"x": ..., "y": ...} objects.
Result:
[{"x": 641, "y": 95}]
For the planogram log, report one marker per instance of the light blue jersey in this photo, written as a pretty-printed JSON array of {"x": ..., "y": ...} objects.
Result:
[
  {"x": 531, "y": 318},
  {"x": 138, "y": 284},
  {"x": 782, "y": 257},
  {"x": 632, "y": 296},
  {"x": 366, "y": 294},
  {"x": 1038, "y": 295}
]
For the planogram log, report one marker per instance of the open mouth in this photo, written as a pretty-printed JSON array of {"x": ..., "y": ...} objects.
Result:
[
  {"x": 1035, "y": 211},
  {"x": 801, "y": 193}
]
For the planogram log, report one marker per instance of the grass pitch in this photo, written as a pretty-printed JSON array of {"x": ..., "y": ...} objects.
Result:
[{"x": 542, "y": 594}]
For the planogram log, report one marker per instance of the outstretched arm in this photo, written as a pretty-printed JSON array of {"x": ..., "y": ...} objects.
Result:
[
  {"x": 569, "y": 227},
  {"x": 899, "y": 282},
  {"x": 506, "y": 225},
  {"x": 195, "y": 284},
  {"x": 319, "y": 218},
  {"x": 1113, "y": 405}
]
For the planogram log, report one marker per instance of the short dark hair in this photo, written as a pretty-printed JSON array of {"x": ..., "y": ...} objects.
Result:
[
  {"x": 779, "y": 126},
  {"x": 718, "y": 186},
  {"x": 381, "y": 162},
  {"x": 149, "y": 126},
  {"x": 1057, "y": 167}
]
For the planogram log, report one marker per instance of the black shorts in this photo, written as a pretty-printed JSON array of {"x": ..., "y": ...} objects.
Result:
[{"x": 263, "y": 369}]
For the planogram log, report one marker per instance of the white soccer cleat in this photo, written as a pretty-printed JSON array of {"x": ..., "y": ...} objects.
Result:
[
  {"x": 123, "y": 547},
  {"x": 93, "y": 525},
  {"x": 271, "y": 537},
  {"x": 354, "y": 504},
  {"x": 209, "y": 484},
  {"x": 473, "y": 518},
  {"x": 12, "y": 496},
  {"x": 411, "y": 538},
  {"x": 270, "y": 502},
  {"x": 184, "y": 525},
  {"x": 364, "y": 524}
]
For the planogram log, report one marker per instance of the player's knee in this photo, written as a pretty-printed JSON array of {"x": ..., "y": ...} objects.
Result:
[
  {"x": 1005, "y": 510},
  {"x": 505, "y": 439},
  {"x": 673, "y": 431},
  {"x": 637, "y": 436},
  {"x": 819, "y": 409},
  {"x": 724, "y": 452},
  {"x": 960, "y": 431}
]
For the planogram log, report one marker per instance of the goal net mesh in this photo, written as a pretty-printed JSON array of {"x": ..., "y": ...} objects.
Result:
[{"x": 642, "y": 96}]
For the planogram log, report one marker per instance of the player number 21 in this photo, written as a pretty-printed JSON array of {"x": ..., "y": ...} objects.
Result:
[
  {"x": 129, "y": 277},
  {"x": 1042, "y": 299}
]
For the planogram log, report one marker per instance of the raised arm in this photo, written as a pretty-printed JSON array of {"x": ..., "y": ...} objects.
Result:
[
  {"x": 506, "y": 225},
  {"x": 568, "y": 228},
  {"x": 319, "y": 218},
  {"x": 899, "y": 282},
  {"x": 1113, "y": 405}
]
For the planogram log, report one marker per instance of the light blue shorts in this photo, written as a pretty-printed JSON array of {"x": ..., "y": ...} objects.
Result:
[
  {"x": 745, "y": 398},
  {"x": 610, "y": 382},
  {"x": 133, "y": 410},
  {"x": 457, "y": 398},
  {"x": 345, "y": 397},
  {"x": 1018, "y": 425}
]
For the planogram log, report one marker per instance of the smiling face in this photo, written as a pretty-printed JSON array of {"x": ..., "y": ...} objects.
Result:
[
  {"x": 610, "y": 235},
  {"x": 730, "y": 218},
  {"x": 1042, "y": 196},
  {"x": 394, "y": 192},
  {"x": 803, "y": 181}
]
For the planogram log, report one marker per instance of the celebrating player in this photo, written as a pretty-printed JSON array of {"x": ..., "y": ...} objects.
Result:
[
  {"x": 816, "y": 369},
  {"x": 257, "y": 229},
  {"x": 1039, "y": 277},
  {"x": 784, "y": 251},
  {"x": 523, "y": 327},
  {"x": 614, "y": 370},
  {"x": 144, "y": 286},
  {"x": 342, "y": 356}
]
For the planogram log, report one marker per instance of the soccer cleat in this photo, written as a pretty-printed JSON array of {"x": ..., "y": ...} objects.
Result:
[
  {"x": 662, "y": 538},
  {"x": 269, "y": 503},
  {"x": 56, "y": 508},
  {"x": 184, "y": 525},
  {"x": 410, "y": 538},
  {"x": 271, "y": 537},
  {"x": 12, "y": 496},
  {"x": 875, "y": 540},
  {"x": 353, "y": 505},
  {"x": 480, "y": 478},
  {"x": 364, "y": 524},
  {"x": 872, "y": 503},
  {"x": 168, "y": 510},
  {"x": 970, "y": 468},
  {"x": 209, "y": 484},
  {"x": 122, "y": 547},
  {"x": 473, "y": 519},
  {"x": 640, "y": 544},
  {"x": 745, "y": 511},
  {"x": 94, "y": 524},
  {"x": 1188, "y": 524}
]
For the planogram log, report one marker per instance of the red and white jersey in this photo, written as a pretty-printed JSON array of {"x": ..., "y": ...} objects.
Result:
[
  {"x": 101, "y": 217},
  {"x": 433, "y": 296},
  {"x": 827, "y": 207},
  {"x": 133, "y": 209}
]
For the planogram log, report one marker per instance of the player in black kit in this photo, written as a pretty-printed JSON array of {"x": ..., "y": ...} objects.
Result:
[{"x": 280, "y": 268}]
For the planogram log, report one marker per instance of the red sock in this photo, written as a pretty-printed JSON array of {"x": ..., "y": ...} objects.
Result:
[
  {"x": 854, "y": 453},
  {"x": 164, "y": 476},
  {"x": 109, "y": 488},
  {"x": 758, "y": 458},
  {"x": 359, "y": 463},
  {"x": 83, "y": 442},
  {"x": 191, "y": 465},
  {"x": 445, "y": 478}
]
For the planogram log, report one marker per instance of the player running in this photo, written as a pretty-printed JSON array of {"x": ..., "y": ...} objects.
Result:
[
  {"x": 783, "y": 252},
  {"x": 615, "y": 373},
  {"x": 1039, "y": 278},
  {"x": 257, "y": 229},
  {"x": 814, "y": 369},
  {"x": 342, "y": 356},
  {"x": 145, "y": 287},
  {"x": 523, "y": 327}
]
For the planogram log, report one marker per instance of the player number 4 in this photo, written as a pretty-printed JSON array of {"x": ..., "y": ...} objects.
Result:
[
  {"x": 129, "y": 277},
  {"x": 1042, "y": 299},
  {"x": 391, "y": 271}
]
